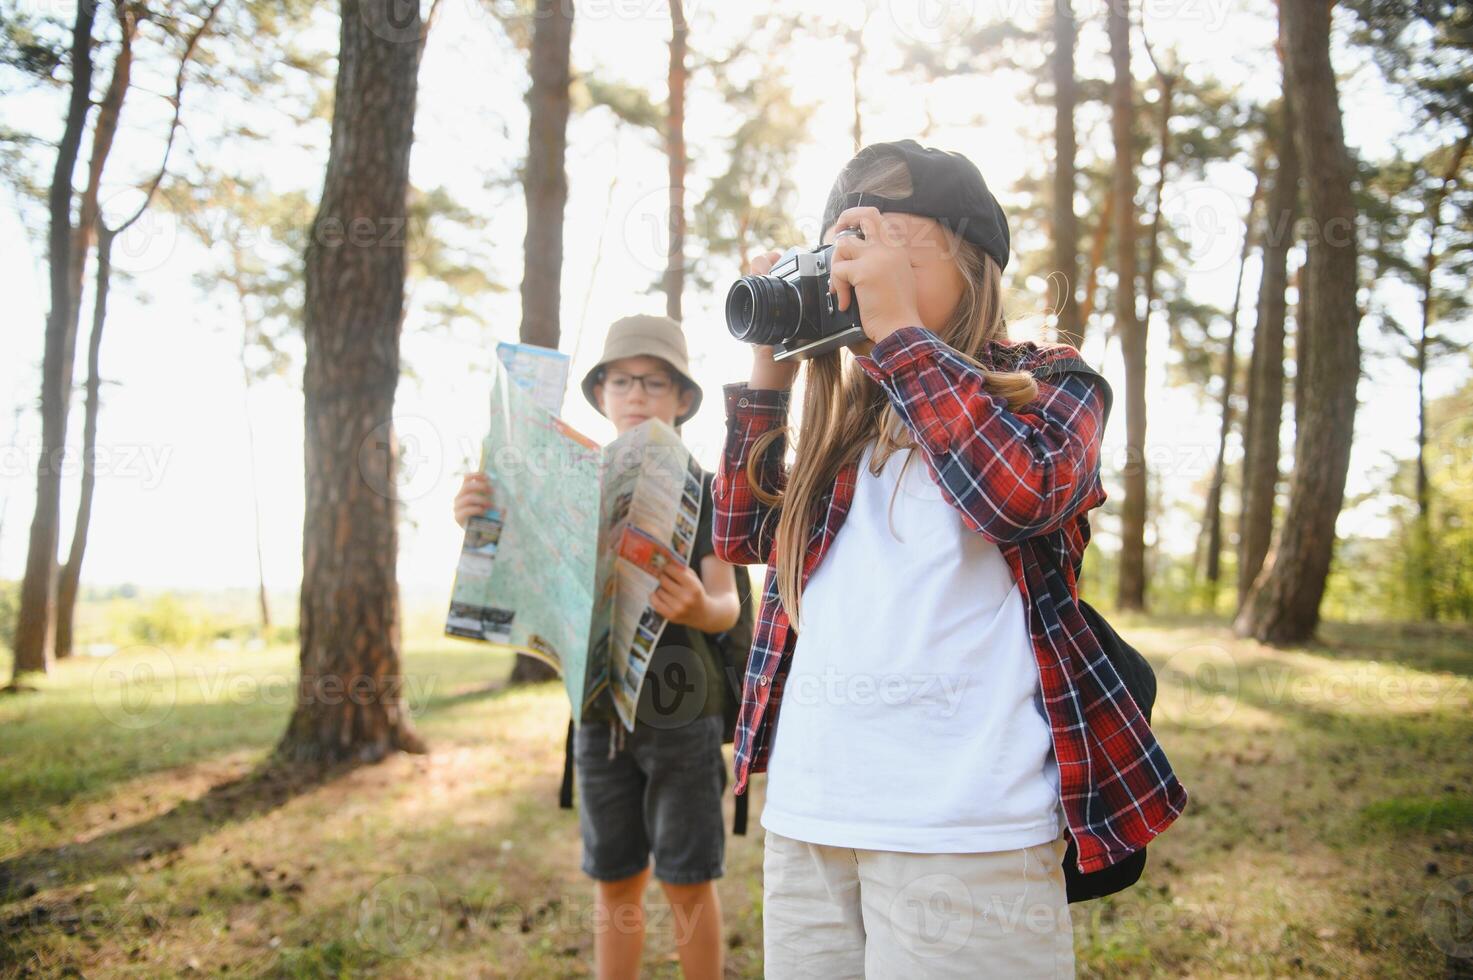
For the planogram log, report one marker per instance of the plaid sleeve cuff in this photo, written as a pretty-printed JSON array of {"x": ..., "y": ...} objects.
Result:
[
  {"x": 897, "y": 349},
  {"x": 741, "y": 398}
]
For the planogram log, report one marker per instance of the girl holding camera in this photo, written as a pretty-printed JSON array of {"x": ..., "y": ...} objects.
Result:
[{"x": 947, "y": 718}]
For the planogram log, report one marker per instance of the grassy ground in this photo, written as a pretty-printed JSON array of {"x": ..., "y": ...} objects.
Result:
[{"x": 1332, "y": 811}]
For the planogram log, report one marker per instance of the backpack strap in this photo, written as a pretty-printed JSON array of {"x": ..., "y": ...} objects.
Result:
[
  {"x": 739, "y": 814},
  {"x": 565, "y": 792},
  {"x": 1077, "y": 365}
]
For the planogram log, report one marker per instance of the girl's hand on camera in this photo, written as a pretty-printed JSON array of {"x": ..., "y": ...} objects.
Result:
[
  {"x": 474, "y": 497},
  {"x": 876, "y": 269},
  {"x": 767, "y": 373}
]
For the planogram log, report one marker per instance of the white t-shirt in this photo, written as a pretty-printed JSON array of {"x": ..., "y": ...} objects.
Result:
[{"x": 911, "y": 718}]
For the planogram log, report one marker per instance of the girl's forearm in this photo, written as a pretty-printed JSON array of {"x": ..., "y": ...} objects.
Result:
[{"x": 742, "y": 525}]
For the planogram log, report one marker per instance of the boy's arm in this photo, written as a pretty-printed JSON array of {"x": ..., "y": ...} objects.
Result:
[
  {"x": 743, "y": 526},
  {"x": 722, "y": 607},
  {"x": 1012, "y": 475}
]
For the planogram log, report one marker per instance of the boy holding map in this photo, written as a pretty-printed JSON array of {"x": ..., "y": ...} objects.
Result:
[{"x": 656, "y": 789}]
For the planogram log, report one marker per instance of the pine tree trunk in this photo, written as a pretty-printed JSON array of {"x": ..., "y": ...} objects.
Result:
[
  {"x": 349, "y": 697},
  {"x": 546, "y": 184},
  {"x": 1265, "y": 412},
  {"x": 1070, "y": 326},
  {"x": 1131, "y": 590},
  {"x": 1097, "y": 257},
  {"x": 545, "y": 179},
  {"x": 1426, "y": 595},
  {"x": 70, "y": 578},
  {"x": 1229, "y": 384},
  {"x": 1283, "y": 607},
  {"x": 675, "y": 153},
  {"x": 38, "y": 585}
]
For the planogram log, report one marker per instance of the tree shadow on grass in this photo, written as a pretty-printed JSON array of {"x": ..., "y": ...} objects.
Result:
[
  {"x": 265, "y": 788},
  {"x": 271, "y": 784},
  {"x": 490, "y": 691},
  {"x": 1424, "y": 646}
]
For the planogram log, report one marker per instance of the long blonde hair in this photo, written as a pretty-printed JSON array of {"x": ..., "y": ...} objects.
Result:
[{"x": 843, "y": 408}]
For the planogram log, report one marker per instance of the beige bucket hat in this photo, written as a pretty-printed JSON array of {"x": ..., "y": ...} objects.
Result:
[{"x": 650, "y": 336}]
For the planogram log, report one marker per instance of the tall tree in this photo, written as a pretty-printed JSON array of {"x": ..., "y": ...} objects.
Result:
[
  {"x": 675, "y": 156},
  {"x": 1283, "y": 606},
  {"x": 103, "y": 134},
  {"x": 1212, "y": 521},
  {"x": 545, "y": 177},
  {"x": 1166, "y": 84},
  {"x": 1070, "y": 325},
  {"x": 38, "y": 586},
  {"x": 1131, "y": 329},
  {"x": 349, "y": 704},
  {"x": 70, "y": 575},
  {"x": 1437, "y": 79},
  {"x": 1265, "y": 405}
]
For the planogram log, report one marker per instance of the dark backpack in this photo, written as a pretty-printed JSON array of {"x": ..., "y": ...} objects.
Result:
[
  {"x": 1140, "y": 680},
  {"x": 1137, "y": 676},
  {"x": 731, "y": 649}
]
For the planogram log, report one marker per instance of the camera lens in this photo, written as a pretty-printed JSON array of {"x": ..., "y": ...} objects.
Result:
[{"x": 762, "y": 309}]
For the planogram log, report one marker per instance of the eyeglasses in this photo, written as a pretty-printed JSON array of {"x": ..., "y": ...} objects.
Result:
[{"x": 655, "y": 384}]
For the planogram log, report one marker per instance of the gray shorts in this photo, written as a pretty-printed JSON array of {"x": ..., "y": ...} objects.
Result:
[{"x": 660, "y": 793}]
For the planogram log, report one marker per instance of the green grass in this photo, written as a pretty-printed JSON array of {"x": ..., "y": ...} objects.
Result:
[
  {"x": 1331, "y": 797},
  {"x": 1421, "y": 814}
]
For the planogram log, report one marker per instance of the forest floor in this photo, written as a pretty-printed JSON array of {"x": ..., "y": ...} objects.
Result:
[{"x": 1329, "y": 832}]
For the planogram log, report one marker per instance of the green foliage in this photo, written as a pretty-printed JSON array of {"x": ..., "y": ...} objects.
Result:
[
  {"x": 749, "y": 208},
  {"x": 167, "y": 622},
  {"x": 9, "y": 610},
  {"x": 1416, "y": 572},
  {"x": 630, "y": 104},
  {"x": 1423, "y": 47}
]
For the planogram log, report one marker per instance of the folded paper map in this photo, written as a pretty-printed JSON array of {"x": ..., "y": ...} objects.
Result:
[
  {"x": 541, "y": 371},
  {"x": 562, "y": 567}
]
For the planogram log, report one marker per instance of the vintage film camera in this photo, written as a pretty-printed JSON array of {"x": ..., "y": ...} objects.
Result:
[{"x": 791, "y": 307}]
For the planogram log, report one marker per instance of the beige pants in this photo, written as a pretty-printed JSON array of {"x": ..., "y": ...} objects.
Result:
[{"x": 837, "y": 912}]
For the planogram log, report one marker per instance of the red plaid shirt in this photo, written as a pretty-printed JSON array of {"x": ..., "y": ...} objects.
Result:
[{"x": 1023, "y": 479}]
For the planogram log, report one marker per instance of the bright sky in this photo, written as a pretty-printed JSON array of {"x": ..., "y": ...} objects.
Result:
[{"x": 174, "y": 499}]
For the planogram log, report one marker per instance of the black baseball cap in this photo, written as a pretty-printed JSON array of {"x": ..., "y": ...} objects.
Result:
[{"x": 945, "y": 186}]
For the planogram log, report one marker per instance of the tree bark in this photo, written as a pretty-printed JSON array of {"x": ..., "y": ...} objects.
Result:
[
  {"x": 1426, "y": 595},
  {"x": 1070, "y": 326},
  {"x": 546, "y": 180},
  {"x": 68, "y": 582},
  {"x": 349, "y": 703},
  {"x": 250, "y": 328},
  {"x": 1283, "y": 606},
  {"x": 546, "y": 184},
  {"x": 675, "y": 154},
  {"x": 1213, "y": 518},
  {"x": 38, "y": 585},
  {"x": 90, "y": 226},
  {"x": 87, "y": 231},
  {"x": 1163, "y": 160},
  {"x": 1131, "y": 588},
  {"x": 1265, "y": 412},
  {"x": 1096, "y": 257}
]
